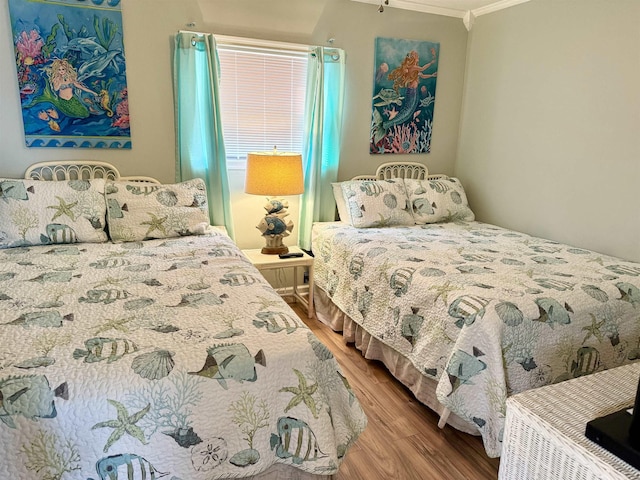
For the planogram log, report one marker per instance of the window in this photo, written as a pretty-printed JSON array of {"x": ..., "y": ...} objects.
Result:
[{"x": 262, "y": 96}]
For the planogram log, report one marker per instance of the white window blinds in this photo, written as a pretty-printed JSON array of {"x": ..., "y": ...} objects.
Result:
[{"x": 262, "y": 96}]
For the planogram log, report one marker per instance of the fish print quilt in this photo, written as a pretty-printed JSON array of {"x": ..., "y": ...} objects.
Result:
[
  {"x": 484, "y": 311},
  {"x": 169, "y": 358}
]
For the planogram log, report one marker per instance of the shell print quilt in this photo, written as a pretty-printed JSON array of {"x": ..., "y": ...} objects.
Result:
[
  {"x": 168, "y": 358},
  {"x": 486, "y": 312}
]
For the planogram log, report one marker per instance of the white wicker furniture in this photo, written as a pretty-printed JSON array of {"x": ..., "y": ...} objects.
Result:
[
  {"x": 385, "y": 171},
  {"x": 79, "y": 169},
  {"x": 544, "y": 430}
]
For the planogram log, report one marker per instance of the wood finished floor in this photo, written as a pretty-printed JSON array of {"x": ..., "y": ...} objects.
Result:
[{"x": 402, "y": 440}]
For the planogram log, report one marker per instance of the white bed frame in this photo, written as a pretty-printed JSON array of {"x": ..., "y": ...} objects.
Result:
[
  {"x": 413, "y": 170},
  {"x": 79, "y": 170}
]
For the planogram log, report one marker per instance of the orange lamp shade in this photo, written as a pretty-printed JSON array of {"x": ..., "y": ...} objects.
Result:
[{"x": 274, "y": 174}]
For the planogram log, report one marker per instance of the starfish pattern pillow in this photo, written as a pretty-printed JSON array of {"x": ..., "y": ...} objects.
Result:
[
  {"x": 139, "y": 211},
  {"x": 36, "y": 212}
]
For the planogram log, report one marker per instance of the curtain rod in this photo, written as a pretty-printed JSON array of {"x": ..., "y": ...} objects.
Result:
[
  {"x": 258, "y": 43},
  {"x": 252, "y": 42}
]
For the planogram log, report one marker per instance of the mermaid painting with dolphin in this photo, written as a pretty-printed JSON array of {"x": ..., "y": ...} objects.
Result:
[
  {"x": 63, "y": 79},
  {"x": 406, "y": 80}
]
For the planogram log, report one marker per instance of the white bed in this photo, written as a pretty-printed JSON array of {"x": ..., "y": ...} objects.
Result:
[
  {"x": 159, "y": 357},
  {"x": 465, "y": 313}
]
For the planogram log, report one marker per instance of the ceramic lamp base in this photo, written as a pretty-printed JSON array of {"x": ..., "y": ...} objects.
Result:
[{"x": 274, "y": 245}]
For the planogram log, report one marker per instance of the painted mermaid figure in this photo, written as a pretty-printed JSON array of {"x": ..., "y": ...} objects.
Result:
[
  {"x": 61, "y": 89},
  {"x": 407, "y": 76}
]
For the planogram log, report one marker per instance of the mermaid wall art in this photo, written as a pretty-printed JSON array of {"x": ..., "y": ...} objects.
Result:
[
  {"x": 404, "y": 95},
  {"x": 71, "y": 73}
]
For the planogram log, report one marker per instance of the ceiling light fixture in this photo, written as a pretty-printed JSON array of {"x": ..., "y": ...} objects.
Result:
[{"x": 381, "y": 8}]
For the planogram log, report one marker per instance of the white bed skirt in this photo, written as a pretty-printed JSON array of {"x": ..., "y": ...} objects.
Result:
[
  {"x": 285, "y": 472},
  {"x": 424, "y": 388}
]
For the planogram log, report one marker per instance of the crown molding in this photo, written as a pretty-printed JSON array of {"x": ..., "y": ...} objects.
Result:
[
  {"x": 418, "y": 7},
  {"x": 495, "y": 6},
  {"x": 467, "y": 16}
]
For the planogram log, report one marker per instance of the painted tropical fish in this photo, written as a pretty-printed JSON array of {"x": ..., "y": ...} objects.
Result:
[
  {"x": 237, "y": 279},
  {"x": 115, "y": 209},
  {"x": 624, "y": 270},
  {"x": 196, "y": 300},
  {"x": 276, "y": 322},
  {"x": 55, "y": 277},
  {"x": 104, "y": 296},
  {"x": 411, "y": 325},
  {"x": 356, "y": 266},
  {"x": 29, "y": 396},
  {"x": 222, "y": 252},
  {"x": 295, "y": 440},
  {"x": 110, "y": 263},
  {"x": 126, "y": 466},
  {"x": 587, "y": 362},
  {"x": 109, "y": 349},
  {"x": 423, "y": 207},
  {"x": 400, "y": 280},
  {"x": 59, "y": 233},
  {"x": 45, "y": 318},
  {"x": 15, "y": 190},
  {"x": 232, "y": 360},
  {"x": 462, "y": 367},
  {"x": 142, "y": 190},
  {"x": 467, "y": 309},
  {"x": 552, "y": 312},
  {"x": 554, "y": 284},
  {"x": 629, "y": 293}
]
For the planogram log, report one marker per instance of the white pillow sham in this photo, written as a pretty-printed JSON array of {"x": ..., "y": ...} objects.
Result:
[
  {"x": 376, "y": 203},
  {"x": 441, "y": 200},
  {"x": 37, "y": 212},
  {"x": 138, "y": 211}
]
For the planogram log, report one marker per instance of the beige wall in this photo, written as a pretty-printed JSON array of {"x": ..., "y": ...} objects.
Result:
[
  {"x": 149, "y": 26},
  {"x": 550, "y": 137}
]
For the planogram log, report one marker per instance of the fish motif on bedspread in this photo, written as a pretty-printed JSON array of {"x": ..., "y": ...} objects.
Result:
[
  {"x": 168, "y": 358},
  {"x": 485, "y": 311}
]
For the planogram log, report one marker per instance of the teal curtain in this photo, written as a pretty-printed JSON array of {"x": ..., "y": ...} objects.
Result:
[
  {"x": 199, "y": 144},
  {"x": 321, "y": 152}
]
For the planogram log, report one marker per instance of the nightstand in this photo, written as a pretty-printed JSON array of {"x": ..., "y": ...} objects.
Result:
[{"x": 272, "y": 262}]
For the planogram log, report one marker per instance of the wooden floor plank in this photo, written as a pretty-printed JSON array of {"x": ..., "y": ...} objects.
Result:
[{"x": 402, "y": 440}]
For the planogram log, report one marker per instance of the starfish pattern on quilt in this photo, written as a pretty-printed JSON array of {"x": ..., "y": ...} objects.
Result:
[
  {"x": 119, "y": 324},
  {"x": 302, "y": 393},
  {"x": 443, "y": 291},
  {"x": 593, "y": 329},
  {"x": 124, "y": 423}
]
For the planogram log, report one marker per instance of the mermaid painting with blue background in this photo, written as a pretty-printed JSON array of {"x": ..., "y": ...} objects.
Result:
[
  {"x": 403, "y": 102},
  {"x": 71, "y": 73}
]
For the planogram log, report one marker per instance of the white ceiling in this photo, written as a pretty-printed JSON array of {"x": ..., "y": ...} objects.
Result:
[{"x": 465, "y": 9}]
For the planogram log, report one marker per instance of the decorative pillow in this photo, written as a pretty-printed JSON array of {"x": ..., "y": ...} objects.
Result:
[
  {"x": 441, "y": 200},
  {"x": 138, "y": 211},
  {"x": 37, "y": 212},
  {"x": 340, "y": 203},
  {"x": 376, "y": 203}
]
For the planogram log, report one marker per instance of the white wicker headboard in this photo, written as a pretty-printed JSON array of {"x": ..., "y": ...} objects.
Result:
[
  {"x": 414, "y": 170},
  {"x": 79, "y": 170}
]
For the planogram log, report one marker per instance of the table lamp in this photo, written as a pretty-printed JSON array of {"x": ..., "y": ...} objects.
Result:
[{"x": 274, "y": 174}]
